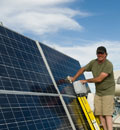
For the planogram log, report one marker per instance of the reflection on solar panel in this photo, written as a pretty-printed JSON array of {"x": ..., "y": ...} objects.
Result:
[
  {"x": 30, "y": 98},
  {"x": 61, "y": 66},
  {"x": 76, "y": 113}
]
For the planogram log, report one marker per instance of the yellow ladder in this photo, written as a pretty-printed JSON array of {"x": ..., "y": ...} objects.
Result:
[{"x": 93, "y": 123}]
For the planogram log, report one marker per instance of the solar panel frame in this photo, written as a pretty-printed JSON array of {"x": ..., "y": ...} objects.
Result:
[
  {"x": 65, "y": 89},
  {"x": 53, "y": 80}
]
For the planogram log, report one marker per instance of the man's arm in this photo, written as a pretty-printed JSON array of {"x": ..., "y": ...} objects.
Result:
[
  {"x": 98, "y": 79},
  {"x": 80, "y": 71}
]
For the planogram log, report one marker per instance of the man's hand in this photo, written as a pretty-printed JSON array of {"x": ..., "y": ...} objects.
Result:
[
  {"x": 80, "y": 71},
  {"x": 71, "y": 78},
  {"x": 83, "y": 81}
]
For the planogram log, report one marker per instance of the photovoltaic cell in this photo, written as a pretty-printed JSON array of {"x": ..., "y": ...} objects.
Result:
[
  {"x": 27, "y": 112},
  {"x": 61, "y": 66},
  {"x": 21, "y": 65}
]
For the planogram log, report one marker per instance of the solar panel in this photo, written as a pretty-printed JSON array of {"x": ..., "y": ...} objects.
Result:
[
  {"x": 76, "y": 113},
  {"x": 22, "y": 67},
  {"x": 24, "y": 84},
  {"x": 28, "y": 112},
  {"x": 30, "y": 98},
  {"x": 61, "y": 66}
]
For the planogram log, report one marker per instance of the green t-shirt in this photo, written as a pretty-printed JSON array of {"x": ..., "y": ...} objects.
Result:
[{"x": 107, "y": 86}]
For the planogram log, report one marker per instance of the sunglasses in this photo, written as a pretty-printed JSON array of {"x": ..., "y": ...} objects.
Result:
[{"x": 100, "y": 52}]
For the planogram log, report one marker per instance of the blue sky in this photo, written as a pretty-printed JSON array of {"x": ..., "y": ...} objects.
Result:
[{"x": 74, "y": 27}]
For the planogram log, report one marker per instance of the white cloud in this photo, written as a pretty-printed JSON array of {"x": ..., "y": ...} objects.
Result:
[
  {"x": 28, "y": 4},
  {"x": 47, "y": 24},
  {"x": 32, "y": 3},
  {"x": 39, "y": 16}
]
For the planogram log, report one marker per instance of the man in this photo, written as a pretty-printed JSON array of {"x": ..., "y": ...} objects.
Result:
[{"x": 102, "y": 70}]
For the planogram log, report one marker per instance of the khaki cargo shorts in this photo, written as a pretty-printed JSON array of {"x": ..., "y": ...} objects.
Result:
[{"x": 104, "y": 105}]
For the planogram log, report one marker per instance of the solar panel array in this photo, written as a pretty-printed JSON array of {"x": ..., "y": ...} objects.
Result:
[{"x": 29, "y": 99}]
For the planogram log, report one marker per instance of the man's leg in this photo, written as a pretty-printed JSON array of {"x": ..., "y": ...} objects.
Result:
[
  {"x": 109, "y": 122},
  {"x": 103, "y": 122},
  {"x": 108, "y": 107}
]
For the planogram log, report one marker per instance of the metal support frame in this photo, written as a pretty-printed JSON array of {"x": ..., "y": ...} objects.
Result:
[{"x": 53, "y": 80}]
